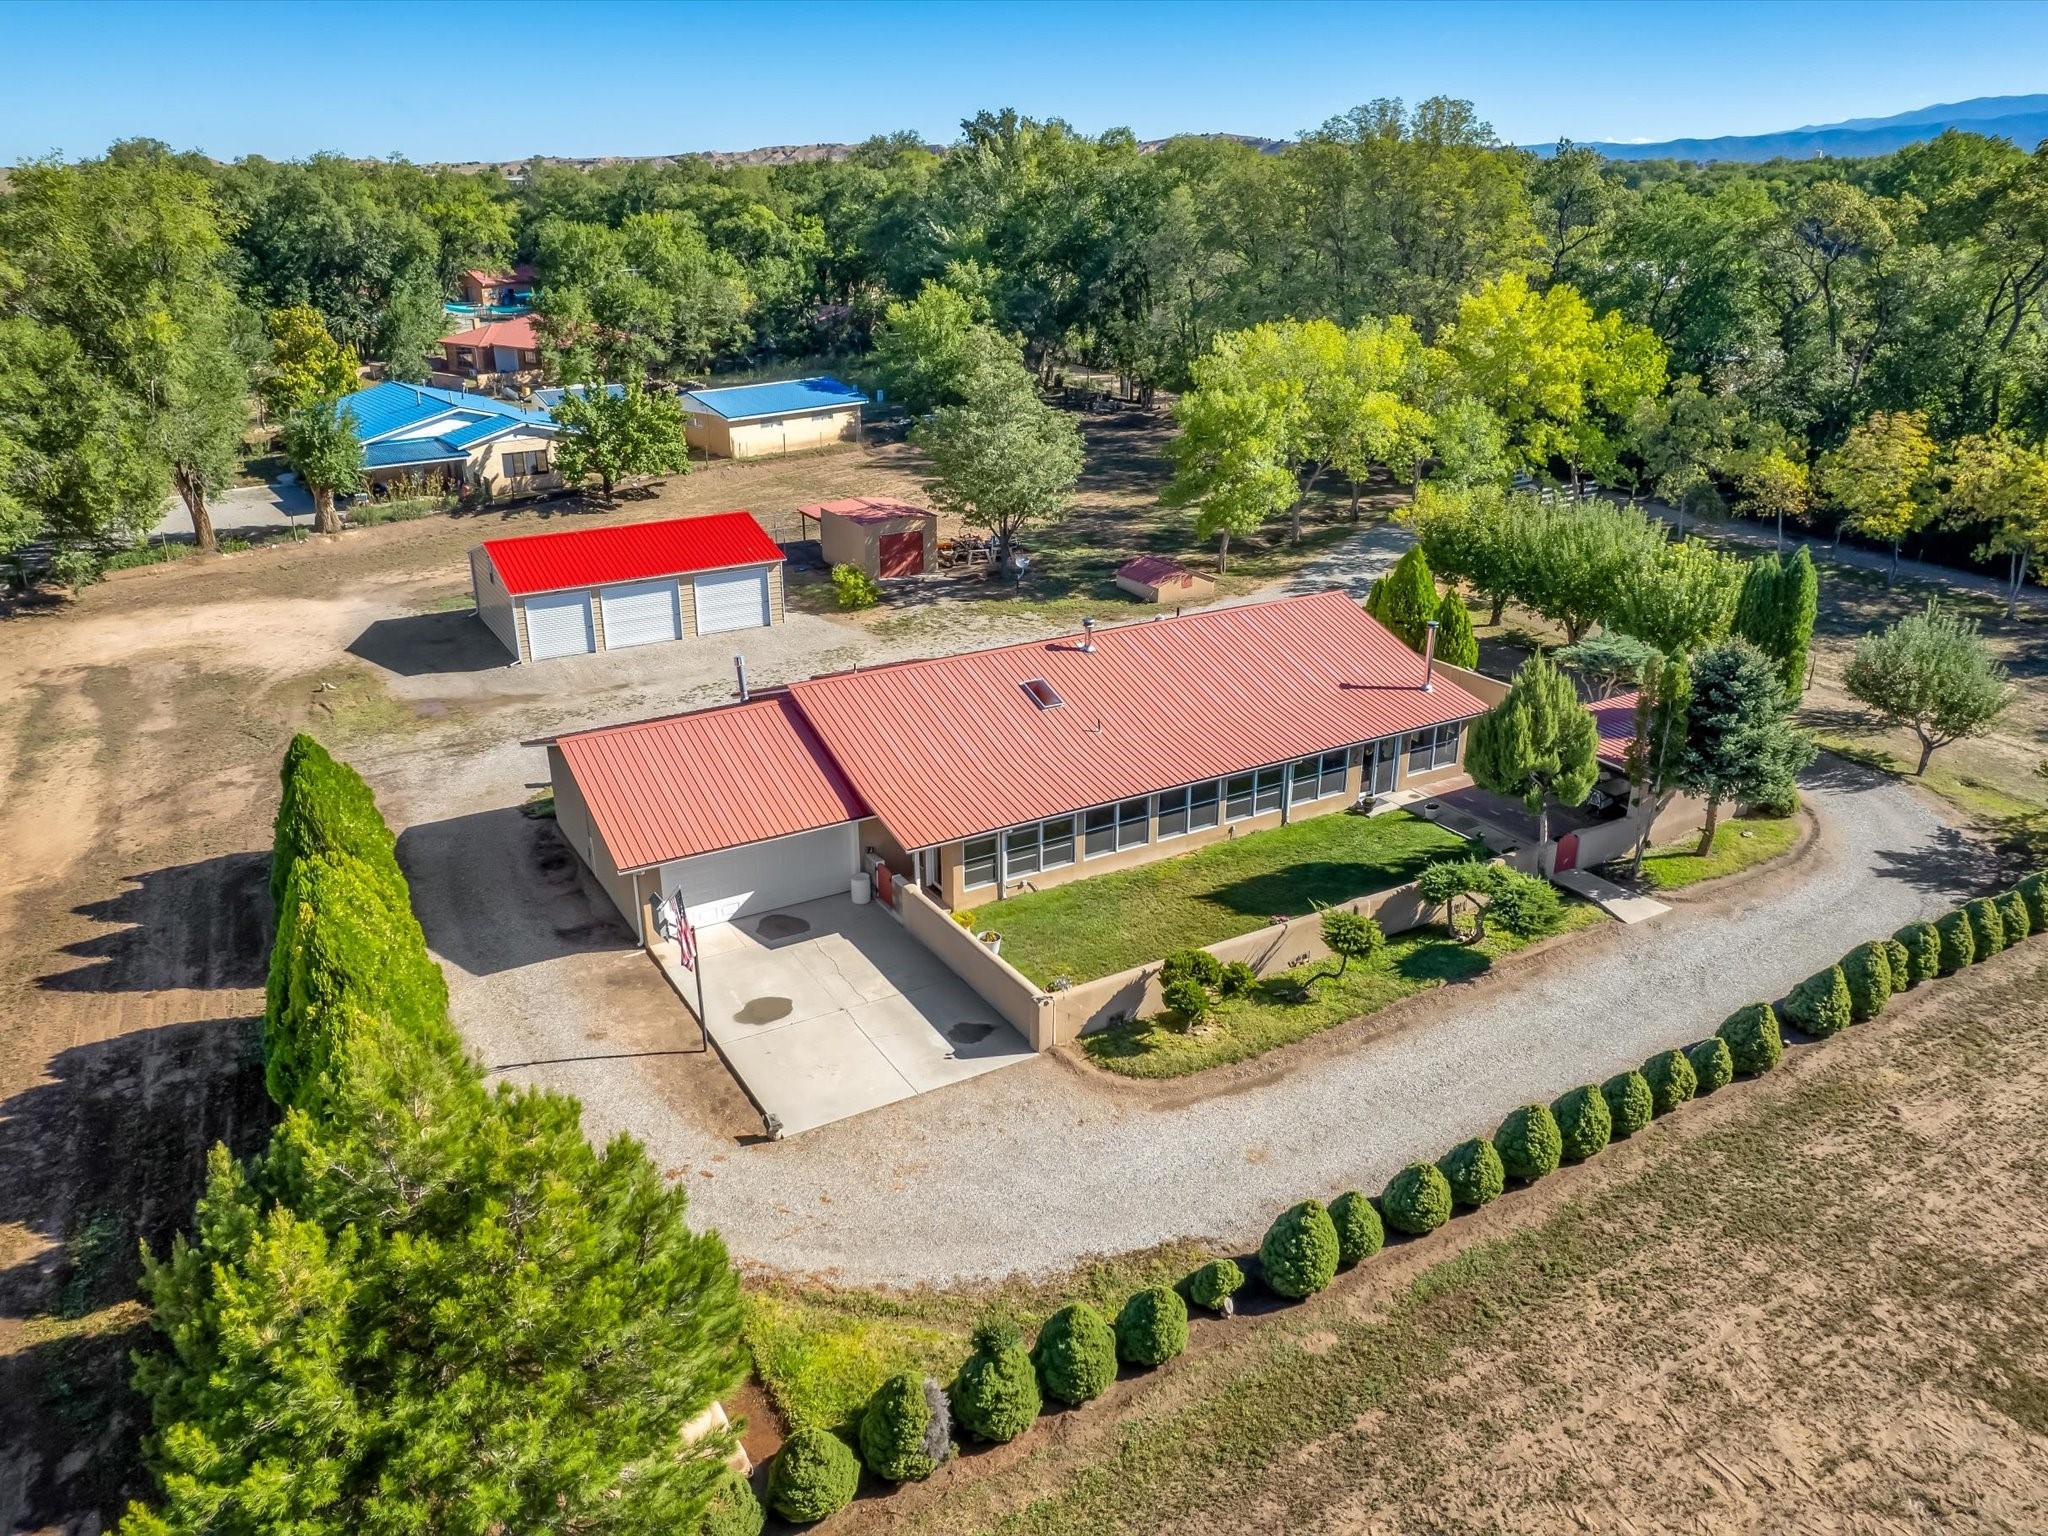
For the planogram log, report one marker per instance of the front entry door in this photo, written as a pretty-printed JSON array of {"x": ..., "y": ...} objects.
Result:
[{"x": 1386, "y": 766}]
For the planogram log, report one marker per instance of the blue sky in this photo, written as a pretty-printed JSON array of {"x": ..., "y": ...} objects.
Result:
[{"x": 504, "y": 80}]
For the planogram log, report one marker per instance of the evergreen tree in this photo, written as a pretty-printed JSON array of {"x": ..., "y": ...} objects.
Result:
[
  {"x": 1740, "y": 743},
  {"x": 1775, "y": 612},
  {"x": 1455, "y": 642},
  {"x": 1405, "y": 598},
  {"x": 1539, "y": 744}
]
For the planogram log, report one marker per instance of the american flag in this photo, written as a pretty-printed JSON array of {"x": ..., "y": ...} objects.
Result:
[{"x": 686, "y": 936}]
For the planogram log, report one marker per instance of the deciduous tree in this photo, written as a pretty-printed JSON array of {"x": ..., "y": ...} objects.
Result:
[
  {"x": 2001, "y": 479},
  {"x": 1002, "y": 459},
  {"x": 1932, "y": 672},
  {"x": 1656, "y": 754},
  {"x": 618, "y": 434},
  {"x": 1882, "y": 478},
  {"x": 322, "y": 446},
  {"x": 1682, "y": 596},
  {"x": 306, "y": 365}
]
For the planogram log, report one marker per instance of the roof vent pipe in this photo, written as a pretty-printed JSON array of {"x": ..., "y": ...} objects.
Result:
[
  {"x": 739, "y": 665},
  {"x": 1429, "y": 657},
  {"x": 1088, "y": 635}
]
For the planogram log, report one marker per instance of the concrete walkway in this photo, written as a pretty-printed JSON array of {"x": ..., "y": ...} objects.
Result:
[
  {"x": 1611, "y": 898},
  {"x": 1033, "y": 1168}
]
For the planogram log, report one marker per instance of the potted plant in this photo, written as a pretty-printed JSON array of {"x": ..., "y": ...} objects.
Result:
[{"x": 992, "y": 939}]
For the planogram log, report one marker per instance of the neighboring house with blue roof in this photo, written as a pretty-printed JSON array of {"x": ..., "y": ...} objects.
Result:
[
  {"x": 418, "y": 433},
  {"x": 750, "y": 420}
]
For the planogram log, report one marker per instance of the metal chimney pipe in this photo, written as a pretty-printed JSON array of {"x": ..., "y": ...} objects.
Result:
[
  {"x": 1088, "y": 635},
  {"x": 739, "y": 665},
  {"x": 1429, "y": 657}
]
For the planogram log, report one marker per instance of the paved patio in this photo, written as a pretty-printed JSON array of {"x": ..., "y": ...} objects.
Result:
[{"x": 827, "y": 1009}]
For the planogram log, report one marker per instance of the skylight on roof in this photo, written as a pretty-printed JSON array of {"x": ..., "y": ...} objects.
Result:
[{"x": 1040, "y": 692}]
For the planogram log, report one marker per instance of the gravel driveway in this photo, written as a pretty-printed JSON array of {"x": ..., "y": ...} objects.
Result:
[{"x": 1036, "y": 1167}]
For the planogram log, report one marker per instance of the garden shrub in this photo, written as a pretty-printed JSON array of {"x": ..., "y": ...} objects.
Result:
[
  {"x": 1712, "y": 1063},
  {"x": 1417, "y": 1199},
  {"x": 2034, "y": 892},
  {"x": 2014, "y": 917},
  {"x": 1474, "y": 1172},
  {"x": 907, "y": 1429},
  {"x": 1528, "y": 1142},
  {"x": 1867, "y": 970},
  {"x": 1152, "y": 1327},
  {"x": 814, "y": 1475},
  {"x": 1777, "y": 802},
  {"x": 1360, "y": 1233},
  {"x": 1958, "y": 942},
  {"x": 1922, "y": 946},
  {"x": 1190, "y": 999},
  {"x": 1238, "y": 979},
  {"x": 1900, "y": 965},
  {"x": 1672, "y": 1080},
  {"x": 1214, "y": 1284},
  {"x": 1630, "y": 1103},
  {"x": 854, "y": 587},
  {"x": 1987, "y": 930},
  {"x": 1820, "y": 1005},
  {"x": 1522, "y": 904},
  {"x": 1075, "y": 1355},
  {"x": 1755, "y": 1043},
  {"x": 733, "y": 1510},
  {"x": 1583, "y": 1122},
  {"x": 1193, "y": 964},
  {"x": 995, "y": 1394},
  {"x": 1298, "y": 1254}
]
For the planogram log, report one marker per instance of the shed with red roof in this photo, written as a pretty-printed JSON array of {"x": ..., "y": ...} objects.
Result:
[
  {"x": 876, "y": 534},
  {"x": 620, "y": 585},
  {"x": 1155, "y": 579}
]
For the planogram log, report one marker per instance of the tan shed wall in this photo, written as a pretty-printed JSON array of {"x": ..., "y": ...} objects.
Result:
[
  {"x": 493, "y": 602},
  {"x": 843, "y": 541},
  {"x": 572, "y": 817},
  {"x": 708, "y": 434},
  {"x": 790, "y": 434}
]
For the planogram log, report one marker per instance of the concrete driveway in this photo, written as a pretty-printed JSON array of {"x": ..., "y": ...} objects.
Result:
[
  {"x": 827, "y": 1009},
  {"x": 243, "y": 509}
]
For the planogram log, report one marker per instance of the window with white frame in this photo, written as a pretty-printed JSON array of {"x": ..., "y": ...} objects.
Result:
[
  {"x": 524, "y": 462},
  {"x": 1127, "y": 824},
  {"x": 1317, "y": 777},
  {"x": 1435, "y": 748}
]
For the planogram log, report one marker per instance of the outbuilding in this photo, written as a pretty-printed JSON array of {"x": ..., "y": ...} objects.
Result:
[
  {"x": 1155, "y": 579},
  {"x": 609, "y": 588},
  {"x": 877, "y": 535},
  {"x": 749, "y": 421}
]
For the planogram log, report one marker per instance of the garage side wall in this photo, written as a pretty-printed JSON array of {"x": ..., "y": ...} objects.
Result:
[
  {"x": 572, "y": 819},
  {"x": 791, "y": 434},
  {"x": 493, "y": 602}
]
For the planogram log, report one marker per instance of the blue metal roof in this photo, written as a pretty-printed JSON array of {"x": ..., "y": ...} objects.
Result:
[
  {"x": 412, "y": 450},
  {"x": 789, "y": 398},
  {"x": 389, "y": 407}
]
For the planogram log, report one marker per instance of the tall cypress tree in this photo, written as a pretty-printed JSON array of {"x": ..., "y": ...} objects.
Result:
[
  {"x": 1405, "y": 598},
  {"x": 1775, "y": 612},
  {"x": 1539, "y": 744}
]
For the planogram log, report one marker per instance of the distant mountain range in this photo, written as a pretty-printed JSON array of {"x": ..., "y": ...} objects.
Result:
[{"x": 2023, "y": 119}]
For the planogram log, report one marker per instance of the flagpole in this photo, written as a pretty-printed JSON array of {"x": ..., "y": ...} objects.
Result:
[{"x": 697, "y": 970}]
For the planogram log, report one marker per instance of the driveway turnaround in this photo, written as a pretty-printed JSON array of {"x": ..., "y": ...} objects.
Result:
[{"x": 828, "y": 1009}]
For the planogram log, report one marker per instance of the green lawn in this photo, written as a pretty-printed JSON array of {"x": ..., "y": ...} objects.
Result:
[
  {"x": 1097, "y": 927},
  {"x": 1266, "y": 1018},
  {"x": 1737, "y": 845}
]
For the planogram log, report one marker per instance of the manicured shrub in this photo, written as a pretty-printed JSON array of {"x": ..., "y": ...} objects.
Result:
[
  {"x": 1958, "y": 942},
  {"x": 907, "y": 1429},
  {"x": 1238, "y": 979},
  {"x": 1075, "y": 1355},
  {"x": 1820, "y": 1005},
  {"x": 1779, "y": 800},
  {"x": 1987, "y": 931},
  {"x": 1417, "y": 1199},
  {"x": 1630, "y": 1103},
  {"x": 1672, "y": 1080},
  {"x": 1213, "y": 1285},
  {"x": 854, "y": 587},
  {"x": 1712, "y": 1063},
  {"x": 326, "y": 808},
  {"x": 1360, "y": 1234},
  {"x": 814, "y": 1475},
  {"x": 1900, "y": 964},
  {"x": 1152, "y": 1327},
  {"x": 1867, "y": 971},
  {"x": 1197, "y": 964},
  {"x": 1922, "y": 945},
  {"x": 1190, "y": 999},
  {"x": 733, "y": 1510},
  {"x": 1528, "y": 1142},
  {"x": 1299, "y": 1252},
  {"x": 2014, "y": 917},
  {"x": 1522, "y": 904},
  {"x": 1583, "y": 1122},
  {"x": 995, "y": 1395},
  {"x": 1474, "y": 1172},
  {"x": 2034, "y": 892},
  {"x": 1755, "y": 1043}
]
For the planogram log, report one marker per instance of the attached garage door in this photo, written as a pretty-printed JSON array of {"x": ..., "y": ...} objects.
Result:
[
  {"x": 731, "y": 600},
  {"x": 903, "y": 554},
  {"x": 738, "y": 882},
  {"x": 558, "y": 624},
  {"x": 640, "y": 613}
]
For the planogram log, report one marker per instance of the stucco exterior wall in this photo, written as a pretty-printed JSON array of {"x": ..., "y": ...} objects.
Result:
[
  {"x": 772, "y": 434},
  {"x": 572, "y": 819},
  {"x": 493, "y": 602},
  {"x": 487, "y": 466}
]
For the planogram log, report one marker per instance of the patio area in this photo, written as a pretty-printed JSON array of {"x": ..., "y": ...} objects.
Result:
[{"x": 827, "y": 1009}]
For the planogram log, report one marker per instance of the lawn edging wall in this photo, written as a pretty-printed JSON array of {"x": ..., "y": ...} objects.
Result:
[{"x": 992, "y": 978}]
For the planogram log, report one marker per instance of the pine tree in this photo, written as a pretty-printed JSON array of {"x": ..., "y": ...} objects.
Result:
[
  {"x": 1740, "y": 743},
  {"x": 1456, "y": 645},
  {"x": 1539, "y": 744}
]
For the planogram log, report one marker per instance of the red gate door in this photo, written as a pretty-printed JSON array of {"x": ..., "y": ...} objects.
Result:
[
  {"x": 903, "y": 554},
  {"x": 1568, "y": 851}
]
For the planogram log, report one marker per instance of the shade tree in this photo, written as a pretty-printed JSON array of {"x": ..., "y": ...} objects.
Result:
[
  {"x": 1932, "y": 673},
  {"x": 1882, "y": 479}
]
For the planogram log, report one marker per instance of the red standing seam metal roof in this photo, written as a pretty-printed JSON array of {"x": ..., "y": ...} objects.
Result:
[
  {"x": 1156, "y": 571},
  {"x": 1616, "y": 718},
  {"x": 595, "y": 557},
  {"x": 866, "y": 509},
  {"x": 516, "y": 332},
  {"x": 689, "y": 784},
  {"x": 953, "y": 747}
]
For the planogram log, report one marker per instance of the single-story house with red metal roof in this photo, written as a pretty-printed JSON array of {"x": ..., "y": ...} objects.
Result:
[
  {"x": 876, "y": 534},
  {"x": 748, "y": 421},
  {"x": 1156, "y": 579},
  {"x": 498, "y": 352},
  {"x": 980, "y": 774},
  {"x": 620, "y": 585}
]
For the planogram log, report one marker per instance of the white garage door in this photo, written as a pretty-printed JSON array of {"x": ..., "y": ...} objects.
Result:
[
  {"x": 640, "y": 613},
  {"x": 737, "y": 882},
  {"x": 558, "y": 624},
  {"x": 731, "y": 600}
]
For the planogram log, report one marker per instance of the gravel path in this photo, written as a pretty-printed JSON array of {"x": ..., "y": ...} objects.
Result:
[{"x": 1040, "y": 1165}]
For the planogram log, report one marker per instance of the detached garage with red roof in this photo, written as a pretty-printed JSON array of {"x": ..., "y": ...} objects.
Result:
[{"x": 613, "y": 587}]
